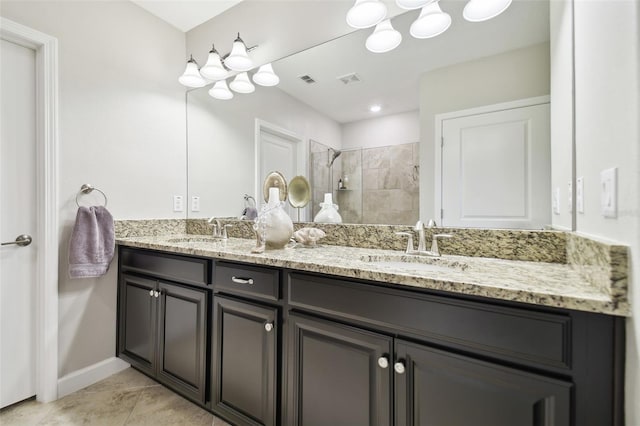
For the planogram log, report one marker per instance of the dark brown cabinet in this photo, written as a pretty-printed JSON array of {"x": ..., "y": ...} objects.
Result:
[
  {"x": 245, "y": 361},
  {"x": 341, "y": 375},
  {"x": 435, "y": 388}
]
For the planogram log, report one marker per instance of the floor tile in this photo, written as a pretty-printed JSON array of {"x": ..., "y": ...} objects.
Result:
[
  {"x": 160, "y": 406},
  {"x": 26, "y": 413},
  {"x": 127, "y": 379}
]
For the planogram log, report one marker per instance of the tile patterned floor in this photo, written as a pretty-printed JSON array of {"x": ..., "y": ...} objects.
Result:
[{"x": 126, "y": 398}]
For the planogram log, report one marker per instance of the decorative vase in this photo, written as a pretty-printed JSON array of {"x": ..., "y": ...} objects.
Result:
[
  {"x": 328, "y": 211},
  {"x": 278, "y": 226}
]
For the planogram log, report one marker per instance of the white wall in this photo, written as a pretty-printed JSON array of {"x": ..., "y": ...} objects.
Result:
[
  {"x": 607, "y": 55},
  {"x": 221, "y": 143},
  {"x": 393, "y": 129},
  {"x": 561, "y": 51},
  {"x": 121, "y": 129},
  {"x": 518, "y": 74}
]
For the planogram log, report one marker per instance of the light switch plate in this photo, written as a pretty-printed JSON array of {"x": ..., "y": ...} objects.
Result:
[
  {"x": 609, "y": 192},
  {"x": 555, "y": 202},
  {"x": 195, "y": 203},
  {"x": 580, "y": 195},
  {"x": 178, "y": 203},
  {"x": 570, "y": 198}
]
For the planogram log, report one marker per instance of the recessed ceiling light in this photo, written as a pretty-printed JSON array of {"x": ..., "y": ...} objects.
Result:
[{"x": 375, "y": 108}]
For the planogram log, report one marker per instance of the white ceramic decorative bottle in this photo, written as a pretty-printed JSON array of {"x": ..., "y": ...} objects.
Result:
[
  {"x": 328, "y": 212},
  {"x": 278, "y": 224}
]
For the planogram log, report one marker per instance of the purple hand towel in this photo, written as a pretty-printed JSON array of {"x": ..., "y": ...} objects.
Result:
[{"x": 92, "y": 243}]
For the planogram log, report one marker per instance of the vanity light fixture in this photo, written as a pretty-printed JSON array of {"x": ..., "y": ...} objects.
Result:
[
  {"x": 375, "y": 108},
  {"x": 482, "y": 10},
  {"x": 431, "y": 22},
  {"x": 242, "y": 84},
  {"x": 265, "y": 76},
  {"x": 238, "y": 60},
  {"x": 384, "y": 38},
  {"x": 213, "y": 69},
  {"x": 191, "y": 76},
  {"x": 220, "y": 90},
  {"x": 366, "y": 13}
]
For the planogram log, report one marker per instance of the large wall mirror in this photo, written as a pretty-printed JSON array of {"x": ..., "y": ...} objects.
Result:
[{"x": 482, "y": 88}]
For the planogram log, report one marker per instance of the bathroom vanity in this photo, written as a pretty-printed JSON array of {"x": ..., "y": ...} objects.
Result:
[{"x": 329, "y": 337}]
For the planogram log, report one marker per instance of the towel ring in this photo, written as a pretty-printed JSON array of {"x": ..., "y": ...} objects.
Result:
[{"x": 88, "y": 189}]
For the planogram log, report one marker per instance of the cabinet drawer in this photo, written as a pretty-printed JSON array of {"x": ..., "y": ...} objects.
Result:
[
  {"x": 254, "y": 281},
  {"x": 509, "y": 333},
  {"x": 191, "y": 270}
]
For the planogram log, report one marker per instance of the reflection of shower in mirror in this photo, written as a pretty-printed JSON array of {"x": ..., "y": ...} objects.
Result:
[{"x": 336, "y": 154}]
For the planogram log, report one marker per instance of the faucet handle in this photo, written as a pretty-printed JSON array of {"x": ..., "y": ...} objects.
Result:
[
  {"x": 224, "y": 230},
  {"x": 431, "y": 223},
  {"x": 418, "y": 226},
  {"x": 409, "y": 241},
  {"x": 434, "y": 242}
]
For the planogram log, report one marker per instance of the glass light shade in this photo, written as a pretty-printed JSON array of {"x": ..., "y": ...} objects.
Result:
[
  {"x": 265, "y": 76},
  {"x": 241, "y": 84},
  {"x": 191, "y": 76},
  {"x": 384, "y": 38},
  {"x": 412, "y": 4},
  {"x": 482, "y": 10},
  {"x": 220, "y": 90},
  {"x": 431, "y": 22},
  {"x": 213, "y": 69},
  {"x": 238, "y": 60},
  {"x": 366, "y": 13}
]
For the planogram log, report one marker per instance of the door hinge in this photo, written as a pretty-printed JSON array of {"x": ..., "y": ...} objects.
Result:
[
  {"x": 441, "y": 215},
  {"x": 442, "y": 142}
]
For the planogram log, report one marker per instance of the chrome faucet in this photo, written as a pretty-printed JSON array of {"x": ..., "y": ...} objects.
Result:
[
  {"x": 219, "y": 230},
  {"x": 422, "y": 250}
]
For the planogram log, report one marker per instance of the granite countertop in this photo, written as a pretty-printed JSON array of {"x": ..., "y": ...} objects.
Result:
[{"x": 539, "y": 283}]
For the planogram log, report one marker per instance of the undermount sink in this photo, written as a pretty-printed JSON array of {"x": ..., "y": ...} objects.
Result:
[
  {"x": 416, "y": 263},
  {"x": 193, "y": 240}
]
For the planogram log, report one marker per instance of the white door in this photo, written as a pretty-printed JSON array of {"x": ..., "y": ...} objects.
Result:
[
  {"x": 17, "y": 216},
  {"x": 496, "y": 169},
  {"x": 278, "y": 152}
]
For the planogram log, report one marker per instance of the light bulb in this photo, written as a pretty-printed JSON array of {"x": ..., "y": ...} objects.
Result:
[
  {"x": 384, "y": 38},
  {"x": 220, "y": 90},
  {"x": 191, "y": 76},
  {"x": 431, "y": 22},
  {"x": 265, "y": 76},
  {"x": 482, "y": 10},
  {"x": 412, "y": 4},
  {"x": 238, "y": 60},
  {"x": 241, "y": 84},
  {"x": 366, "y": 13}
]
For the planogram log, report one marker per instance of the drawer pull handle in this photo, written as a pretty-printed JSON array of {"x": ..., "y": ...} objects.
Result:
[
  {"x": 268, "y": 326},
  {"x": 383, "y": 362},
  {"x": 399, "y": 367},
  {"x": 242, "y": 280}
]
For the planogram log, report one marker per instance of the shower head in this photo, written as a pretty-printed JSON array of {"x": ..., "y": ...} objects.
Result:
[{"x": 336, "y": 154}]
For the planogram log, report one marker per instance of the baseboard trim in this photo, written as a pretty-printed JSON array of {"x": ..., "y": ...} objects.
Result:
[{"x": 89, "y": 375}]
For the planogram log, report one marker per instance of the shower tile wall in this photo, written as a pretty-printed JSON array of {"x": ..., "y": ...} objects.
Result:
[
  {"x": 349, "y": 199},
  {"x": 319, "y": 174},
  {"x": 390, "y": 177}
]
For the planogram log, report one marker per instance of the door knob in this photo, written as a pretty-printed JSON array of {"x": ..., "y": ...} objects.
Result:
[
  {"x": 399, "y": 367},
  {"x": 151, "y": 293},
  {"x": 21, "y": 240},
  {"x": 268, "y": 326},
  {"x": 383, "y": 362}
]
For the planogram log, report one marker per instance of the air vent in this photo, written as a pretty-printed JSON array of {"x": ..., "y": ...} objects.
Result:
[
  {"x": 307, "y": 79},
  {"x": 350, "y": 78}
]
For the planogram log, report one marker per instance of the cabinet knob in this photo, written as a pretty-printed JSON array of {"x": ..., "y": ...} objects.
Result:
[
  {"x": 156, "y": 293},
  {"x": 399, "y": 367},
  {"x": 268, "y": 326},
  {"x": 238, "y": 280},
  {"x": 151, "y": 293},
  {"x": 383, "y": 362}
]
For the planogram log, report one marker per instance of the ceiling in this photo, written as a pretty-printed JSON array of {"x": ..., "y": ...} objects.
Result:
[{"x": 186, "y": 14}]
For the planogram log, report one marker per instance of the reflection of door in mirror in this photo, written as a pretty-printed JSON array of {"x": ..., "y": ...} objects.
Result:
[
  {"x": 277, "y": 150},
  {"x": 495, "y": 166}
]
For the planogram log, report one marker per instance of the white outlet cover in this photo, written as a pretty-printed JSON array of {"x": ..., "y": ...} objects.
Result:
[
  {"x": 178, "y": 203},
  {"x": 580, "y": 195},
  {"x": 195, "y": 203},
  {"x": 609, "y": 192},
  {"x": 555, "y": 202},
  {"x": 570, "y": 198}
]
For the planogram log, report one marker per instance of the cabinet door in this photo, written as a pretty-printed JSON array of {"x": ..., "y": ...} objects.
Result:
[
  {"x": 245, "y": 361},
  {"x": 439, "y": 388},
  {"x": 340, "y": 375},
  {"x": 137, "y": 322},
  {"x": 182, "y": 345}
]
